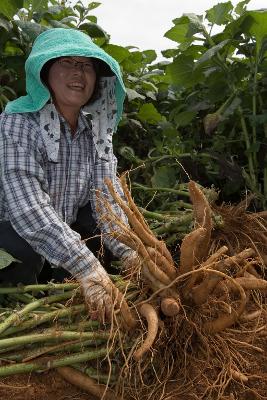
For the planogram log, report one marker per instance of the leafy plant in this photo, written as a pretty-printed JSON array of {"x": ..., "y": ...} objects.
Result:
[{"x": 220, "y": 80}]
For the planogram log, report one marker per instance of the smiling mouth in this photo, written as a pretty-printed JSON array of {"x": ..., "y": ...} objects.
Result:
[{"x": 76, "y": 86}]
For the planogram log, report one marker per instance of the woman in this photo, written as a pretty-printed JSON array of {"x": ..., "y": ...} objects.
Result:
[{"x": 56, "y": 150}]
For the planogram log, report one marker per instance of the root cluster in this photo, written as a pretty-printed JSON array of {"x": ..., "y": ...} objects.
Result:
[{"x": 200, "y": 322}]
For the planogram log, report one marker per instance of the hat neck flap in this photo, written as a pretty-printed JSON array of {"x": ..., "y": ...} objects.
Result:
[{"x": 102, "y": 114}]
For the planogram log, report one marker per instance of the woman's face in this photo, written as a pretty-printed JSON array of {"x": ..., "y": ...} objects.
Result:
[{"x": 72, "y": 81}]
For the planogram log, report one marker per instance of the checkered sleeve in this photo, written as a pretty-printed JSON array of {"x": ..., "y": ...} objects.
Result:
[
  {"x": 108, "y": 169},
  {"x": 26, "y": 192}
]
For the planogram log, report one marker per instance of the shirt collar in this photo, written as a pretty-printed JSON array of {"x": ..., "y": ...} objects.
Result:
[{"x": 82, "y": 125}]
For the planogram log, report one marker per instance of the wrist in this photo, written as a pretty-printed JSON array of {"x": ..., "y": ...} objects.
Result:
[
  {"x": 94, "y": 272},
  {"x": 129, "y": 254}
]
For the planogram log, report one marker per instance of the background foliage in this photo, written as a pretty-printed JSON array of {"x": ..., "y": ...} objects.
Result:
[{"x": 200, "y": 113}]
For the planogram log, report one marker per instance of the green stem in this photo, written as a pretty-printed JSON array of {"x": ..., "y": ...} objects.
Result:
[
  {"x": 173, "y": 207},
  {"x": 154, "y": 160},
  {"x": 155, "y": 215},
  {"x": 261, "y": 106},
  {"x": 45, "y": 365},
  {"x": 265, "y": 168},
  {"x": 179, "y": 225},
  {"x": 82, "y": 326},
  {"x": 248, "y": 148},
  {"x": 160, "y": 189},
  {"x": 51, "y": 335},
  {"x": 74, "y": 346},
  {"x": 22, "y": 298},
  {"x": 13, "y": 318},
  {"x": 39, "y": 288},
  {"x": 38, "y": 320},
  {"x": 254, "y": 111}
]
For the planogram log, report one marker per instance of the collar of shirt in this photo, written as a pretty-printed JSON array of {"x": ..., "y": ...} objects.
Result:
[
  {"x": 51, "y": 123},
  {"x": 83, "y": 125}
]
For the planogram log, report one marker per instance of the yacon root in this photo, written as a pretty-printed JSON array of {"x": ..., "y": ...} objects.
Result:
[
  {"x": 86, "y": 383},
  {"x": 201, "y": 292},
  {"x": 147, "y": 237},
  {"x": 202, "y": 212},
  {"x": 129, "y": 321},
  {"x": 170, "y": 307},
  {"x": 149, "y": 313},
  {"x": 226, "y": 320}
]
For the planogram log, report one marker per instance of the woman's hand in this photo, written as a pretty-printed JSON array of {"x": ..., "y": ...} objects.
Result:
[
  {"x": 131, "y": 264},
  {"x": 97, "y": 299}
]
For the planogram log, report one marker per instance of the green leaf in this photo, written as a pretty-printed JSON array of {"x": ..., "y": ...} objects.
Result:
[
  {"x": 100, "y": 41},
  {"x": 128, "y": 153},
  {"x": 241, "y": 7},
  {"x": 146, "y": 85},
  {"x": 195, "y": 23},
  {"x": 35, "y": 5},
  {"x": 10, "y": 7},
  {"x": 4, "y": 23},
  {"x": 151, "y": 95},
  {"x": 11, "y": 49},
  {"x": 184, "y": 118},
  {"x": 6, "y": 259},
  {"x": 220, "y": 14},
  {"x": 58, "y": 24},
  {"x": 69, "y": 20},
  {"x": 133, "y": 94},
  {"x": 117, "y": 52},
  {"x": 258, "y": 28},
  {"x": 164, "y": 176},
  {"x": 94, "y": 30},
  {"x": 182, "y": 71},
  {"x": 211, "y": 52},
  {"x": 169, "y": 53},
  {"x": 31, "y": 29},
  {"x": 55, "y": 10},
  {"x": 230, "y": 109},
  {"x": 184, "y": 29},
  {"x": 177, "y": 33},
  {"x": 93, "y": 5},
  {"x": 258, "y": 119},
  {"x": 148, "y": 113},
  {"x": 149, "y": 56},
  {"x": 92, "y": 18}
]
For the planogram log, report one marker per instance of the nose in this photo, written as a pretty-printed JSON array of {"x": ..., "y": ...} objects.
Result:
[
  {"x": 78, "y": 66},
  {"x": 78, "y": 71}
]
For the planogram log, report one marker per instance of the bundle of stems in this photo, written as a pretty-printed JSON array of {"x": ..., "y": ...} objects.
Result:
[{"x": 47, "y": 327}]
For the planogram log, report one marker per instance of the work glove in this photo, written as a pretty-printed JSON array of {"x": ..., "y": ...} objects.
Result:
[
  {"x": 94, "y": 287},
  {"x": 131, "y": 264}
]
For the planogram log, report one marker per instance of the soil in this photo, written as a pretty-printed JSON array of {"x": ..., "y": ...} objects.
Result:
[
  {"x": 43, "y": 386},
  {"x": 51, "y": 386}
]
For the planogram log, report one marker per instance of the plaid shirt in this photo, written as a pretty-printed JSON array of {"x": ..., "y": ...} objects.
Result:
[{"x": 41, "y": 198}]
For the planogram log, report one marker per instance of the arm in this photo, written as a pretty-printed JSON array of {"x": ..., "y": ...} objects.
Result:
[
  {"x": 33, "y": 217},
  {"x": 27, "y": 199}
]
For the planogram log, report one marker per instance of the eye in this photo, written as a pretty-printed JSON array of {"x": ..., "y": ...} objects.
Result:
[
  {"x": 88, "y": 66},
  {"x": 66, "y": 62}
]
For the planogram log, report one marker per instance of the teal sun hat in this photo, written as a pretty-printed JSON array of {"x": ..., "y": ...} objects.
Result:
[
  {"x": 105, "y": 112},
  {"x": 53, "y": 43}
]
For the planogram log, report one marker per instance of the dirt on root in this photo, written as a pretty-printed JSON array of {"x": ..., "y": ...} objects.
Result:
[{"x": 42, "y": 386}]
